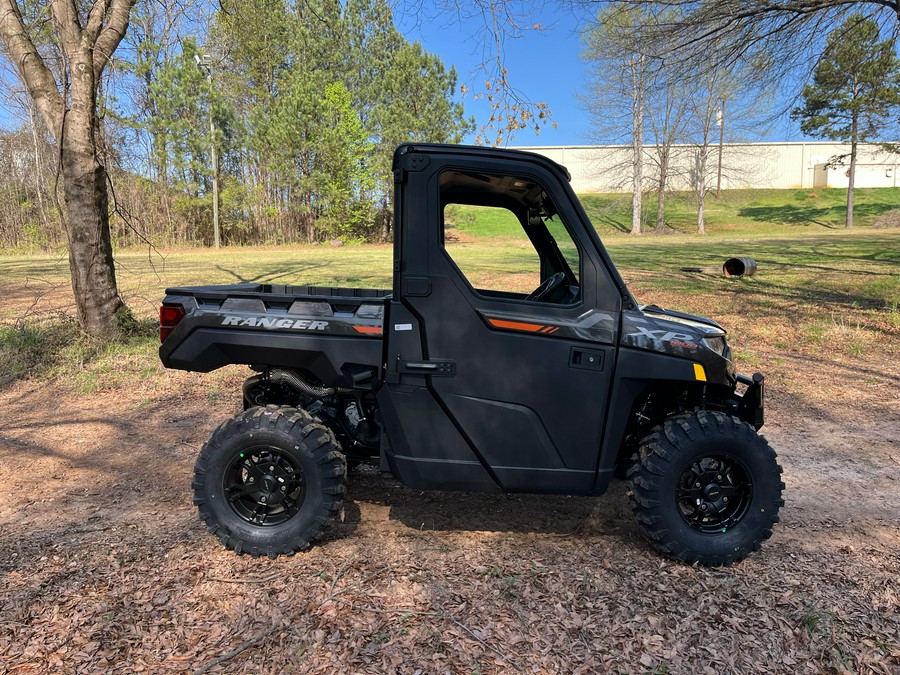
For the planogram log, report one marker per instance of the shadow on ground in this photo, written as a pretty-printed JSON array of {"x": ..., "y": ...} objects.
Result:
[
  {"x": 475, "y": 512},
  {"x": 831, "y": 217}
]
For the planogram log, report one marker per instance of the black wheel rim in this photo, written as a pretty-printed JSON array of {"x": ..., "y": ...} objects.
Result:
[
  {"x": 264, "y": 486},
  {"x": 714, "y": 493}
]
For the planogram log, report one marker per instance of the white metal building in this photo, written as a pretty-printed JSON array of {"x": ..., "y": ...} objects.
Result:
[{"x": 607, "y": 168}]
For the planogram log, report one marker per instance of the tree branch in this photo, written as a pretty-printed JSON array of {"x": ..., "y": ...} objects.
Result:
[
  {"x": 112, "y": 34},
  {"x": 65, "y": 15},
  {"x": 787, "y": 31},
  {"x": 252, "y": 642},
  {"x": 33, "y": 71},
  {"x": 95, "y": 20}
]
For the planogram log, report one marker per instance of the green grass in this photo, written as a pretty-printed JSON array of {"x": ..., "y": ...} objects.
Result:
[
  {"x": 747, "y": 212},
  {"x": 816, "y": 289},
  {"x": 736, "y": 212},
  {"x": 54, "y": 346},
  {"x": 859, "y": 269},
  {"x": 143, "y": 276},
  {"x": 39, "y": 337}
]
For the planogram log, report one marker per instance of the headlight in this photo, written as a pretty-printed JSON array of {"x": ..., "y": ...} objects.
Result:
[{"x": 716, "y": 344}]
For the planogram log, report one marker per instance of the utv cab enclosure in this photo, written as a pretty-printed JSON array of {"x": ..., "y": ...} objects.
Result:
[{"x": 532, "y": 371}]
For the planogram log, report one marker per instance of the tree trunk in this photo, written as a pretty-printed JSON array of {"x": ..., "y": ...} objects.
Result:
[
  {"x": 701, "y": 186},
  {"x": 721, "y": 146},
  {"x": 309, "y": 220},
  {"x": 38, "y": 168},
  {"x": 636, "y": 188},
  {"x": 86, "y": 209},
  {"x": 637, "y": 147},
  {"x": 661, "y": 192},
  {"x": 86, "y": 216},
  {"x": 854, "y": 139},
  {"x": 386, "y": 214}
]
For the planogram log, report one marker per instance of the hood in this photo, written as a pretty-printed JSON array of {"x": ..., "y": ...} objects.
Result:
[{"x": 667, "y": 331}]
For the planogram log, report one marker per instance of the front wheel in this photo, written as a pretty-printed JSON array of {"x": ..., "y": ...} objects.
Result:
[
  {"x": 269, "y": 481},
  {"x": 706, "y": 489}
]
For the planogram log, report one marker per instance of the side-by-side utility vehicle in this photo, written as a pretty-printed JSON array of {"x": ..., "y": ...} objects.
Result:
[{"x": 529, "y": 368}]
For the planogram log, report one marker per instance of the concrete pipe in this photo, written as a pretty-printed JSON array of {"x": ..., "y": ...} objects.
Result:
[{"x": 739, "y": 267}]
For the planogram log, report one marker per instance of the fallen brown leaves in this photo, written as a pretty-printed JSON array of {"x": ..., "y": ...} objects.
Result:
[
  {"x": 104, "y": 566},
  {"x": 595, "y": 610}
]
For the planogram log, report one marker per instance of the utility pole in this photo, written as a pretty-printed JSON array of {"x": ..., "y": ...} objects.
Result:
[
  {"x": 720, "y": 120},
  {"x": 205, "y": 63}
]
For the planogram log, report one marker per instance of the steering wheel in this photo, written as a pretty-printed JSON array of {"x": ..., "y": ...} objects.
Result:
[{"x": 547, "y": 286}]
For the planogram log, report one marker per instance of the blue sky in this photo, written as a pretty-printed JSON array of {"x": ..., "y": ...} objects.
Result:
[{"x": 545, "y": 65}]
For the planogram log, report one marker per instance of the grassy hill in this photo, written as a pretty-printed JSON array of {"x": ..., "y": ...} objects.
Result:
[
  {"x": 736, "y": 212},
  {"x": 748, "y": 211}
]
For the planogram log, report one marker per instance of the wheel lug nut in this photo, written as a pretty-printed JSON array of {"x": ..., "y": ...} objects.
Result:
[
  {"x": 696, "y": 485},
  {"x": 251, "y": 479},
  {"x": 725, "y": 499},
  {"x": 284, "y": 488},
  {"x": 703, "y": 507},
  {"x": 262, "y": 499},
  {"x": 718, "y": 477},
  {"x": 271, "y": 468}
]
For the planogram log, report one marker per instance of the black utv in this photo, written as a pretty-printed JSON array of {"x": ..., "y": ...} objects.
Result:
[{"x": 456, "y": 380}]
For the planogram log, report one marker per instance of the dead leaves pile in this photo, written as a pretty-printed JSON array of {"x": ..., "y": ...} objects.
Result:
[
  {"x": 383, "y": 597},
  {"x": 104, "y": 566}
]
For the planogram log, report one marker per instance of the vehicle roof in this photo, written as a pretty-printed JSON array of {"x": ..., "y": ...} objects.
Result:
[{"x": 480, "y": 151}]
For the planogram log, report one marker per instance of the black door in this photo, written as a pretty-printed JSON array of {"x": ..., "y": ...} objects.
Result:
[{"x": 518, "y": 376}]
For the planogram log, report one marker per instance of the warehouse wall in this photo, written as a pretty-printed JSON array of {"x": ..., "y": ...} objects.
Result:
[{"x": 607, "y": 168}]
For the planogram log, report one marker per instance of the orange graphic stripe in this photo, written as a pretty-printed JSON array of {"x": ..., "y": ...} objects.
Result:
[
  {"x": 517, "y": 325},
  {"x": 368, "y": 330}
]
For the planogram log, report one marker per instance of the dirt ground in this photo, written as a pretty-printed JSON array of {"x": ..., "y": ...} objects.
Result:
[{"x": 104, "y": 565}]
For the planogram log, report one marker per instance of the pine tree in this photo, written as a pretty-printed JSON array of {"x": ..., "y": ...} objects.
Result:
[{"x": 855, "y": 91}]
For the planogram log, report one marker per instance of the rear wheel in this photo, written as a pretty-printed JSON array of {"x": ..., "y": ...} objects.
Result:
[
  {"x": 707, "y": 488},
  {"x": 269, "y": 481}
]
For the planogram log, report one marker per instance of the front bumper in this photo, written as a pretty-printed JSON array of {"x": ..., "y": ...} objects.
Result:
[{"x": 750, "y": 406}]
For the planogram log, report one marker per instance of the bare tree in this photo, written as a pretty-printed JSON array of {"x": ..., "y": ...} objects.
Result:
[
  {"x": 667, "y": 113},
  {"x": 19, "y": 106},
  {"x": 68, "y": 105},
  {"x": 776, "y": 36},
  {"x": 617, "y": 91},
  {"x": 637, "y": 72},
  {"x": 495, "y": 23},
  {"x": 710, "y": 91},
  {"x": 708, "y": 109}
]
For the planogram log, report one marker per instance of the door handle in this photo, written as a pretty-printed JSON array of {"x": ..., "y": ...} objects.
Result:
[
  {"x": 433, "y": 367},
  {"x": 587, "y": 359}
]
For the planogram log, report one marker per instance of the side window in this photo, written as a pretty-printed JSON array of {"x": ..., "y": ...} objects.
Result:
[
  {"x": 506, "y": 237},
  {"x": 565, "y": 244},
  {"x": 491, "y": 249}
]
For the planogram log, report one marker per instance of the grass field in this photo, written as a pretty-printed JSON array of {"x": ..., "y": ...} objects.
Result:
[
  {"x": 735, "y": 213},
  {"x": 830, "y": 289},
  {"x": 749, "y": 212}
]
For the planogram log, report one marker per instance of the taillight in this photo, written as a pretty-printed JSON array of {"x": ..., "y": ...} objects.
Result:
[{"x": 169, "y": 316}]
